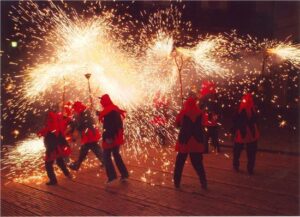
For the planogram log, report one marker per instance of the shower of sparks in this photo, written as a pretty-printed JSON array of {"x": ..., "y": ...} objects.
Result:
[
  {"x": 133, "y": 61},
  {"x": 25, "y": 160},
  {"x": 205, "y": 55},
  {"x": 287, "y": 51}
]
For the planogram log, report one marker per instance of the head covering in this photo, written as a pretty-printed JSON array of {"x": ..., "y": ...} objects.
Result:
[
  {"x": 247, "y": 103},
  {"x": 79, "y": 107},
  {"x": 190, "y": 103},
  {"x": 105, "y": 100},
  {"x": 51, "y": 125},
  {"x": 208, "y": 87},
  {"x": 190, "y": 109},
  {"x": 67, "y": 109},
  {"x": 108, "y": 106}
]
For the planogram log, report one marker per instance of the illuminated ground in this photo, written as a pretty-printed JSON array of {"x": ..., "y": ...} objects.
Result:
[{"x": 273, "y": 190}]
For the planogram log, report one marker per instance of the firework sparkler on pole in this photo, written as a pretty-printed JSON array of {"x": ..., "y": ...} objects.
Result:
[
  {"x": 287, "y": 51},
  {"x": 88, "y": 76}
]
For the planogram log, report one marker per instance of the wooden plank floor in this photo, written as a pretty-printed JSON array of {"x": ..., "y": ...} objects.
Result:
[{"x": 272, "y": 190}]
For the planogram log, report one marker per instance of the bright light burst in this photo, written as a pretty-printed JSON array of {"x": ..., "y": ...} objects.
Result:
[
  {"x": 25, "y": 160},
  {"x": 287, "y": 51},
  {"x": 205, "y": 55}
]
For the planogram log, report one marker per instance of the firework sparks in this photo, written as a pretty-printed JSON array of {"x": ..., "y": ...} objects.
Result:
[
  {"x": 287, "y": 51},
  {"x": 204, "y": 56}
]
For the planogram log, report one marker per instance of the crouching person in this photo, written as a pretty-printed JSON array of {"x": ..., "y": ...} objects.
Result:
[
  {"x": 111, "y": 117},
  {"x": 57, "y": 147},
  {"x": 190, "y": 141}
]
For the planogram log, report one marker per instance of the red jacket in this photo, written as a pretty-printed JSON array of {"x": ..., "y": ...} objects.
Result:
[
  {"x": 86, "y": 125},
  {"x": 53, "y": 133},
  {"x": 245, "y": 122},
  {"x": 90, "y": 136},
  {"x": 192, "y": 114}
]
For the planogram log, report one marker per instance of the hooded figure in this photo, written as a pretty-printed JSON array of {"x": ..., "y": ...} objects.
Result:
[
  {"x": 111, "y": 116},
  {"x": 113, "y": 136},
  {"x": 245, "y": 132},
  {"x": 89, "y": 133},
  {"x": 65, "y": 118},
  {"x": 190, "y": 141},
  {"x": 56, "y": 146},
  {"x": 210, "y": 108}
]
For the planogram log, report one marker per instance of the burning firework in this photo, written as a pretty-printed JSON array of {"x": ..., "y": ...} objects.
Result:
[{"x": 287, "y": 51}]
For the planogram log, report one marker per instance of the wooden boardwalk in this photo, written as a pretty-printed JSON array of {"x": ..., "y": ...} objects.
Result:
[{"x": 273, "y": 190}]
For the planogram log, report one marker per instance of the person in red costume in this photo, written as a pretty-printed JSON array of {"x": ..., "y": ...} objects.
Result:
[
  {"x": 190, "y": 141},
  {"x": 56, "y": 146},
  {"x": 65, "y": 119},
  {"x": 89, "y": 134},
  {"x": 210, "y": 108},
  {"x": 113, "y": 137},
  {"x": 245, "y": 132}
]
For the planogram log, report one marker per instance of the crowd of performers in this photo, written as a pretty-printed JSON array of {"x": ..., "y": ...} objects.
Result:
[{"x": 198, "y": 123}]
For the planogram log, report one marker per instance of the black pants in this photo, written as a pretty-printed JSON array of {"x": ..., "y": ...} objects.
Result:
[
  {"x": 50, "y": 170},
  {"x": 196, "y": 159},
  {"x": 84, "y": 149},
  {"x": 212, "y": 132},
  {"x": 110, "y": 169},
  {"x": 251, "y": 149}
]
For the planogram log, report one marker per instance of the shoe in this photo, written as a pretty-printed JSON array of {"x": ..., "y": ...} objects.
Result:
[
  {"x": 250, "y": 173},
  {"x": 204, "y": 186},
  {"x": 73, "y": 166},
  {"x": 123, "y": 179},
  {"x": 69, "y": 176},
  {"x": 236, "y": 169},
  {"x": 110, "y": 181},
  {"x": 177, "y": 185},
  {"x": 51, "y": 183}
]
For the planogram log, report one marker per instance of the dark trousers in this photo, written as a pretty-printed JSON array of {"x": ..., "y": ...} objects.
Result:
[
  {"x": 50, "y": 170},
  {"x": 110, "y": 169},
  {"x": 196, "y": 159},
  {"x": 251, "y": 149},
  {"x": 212, "y": 132},
  {"x": 84, "y": 149}
]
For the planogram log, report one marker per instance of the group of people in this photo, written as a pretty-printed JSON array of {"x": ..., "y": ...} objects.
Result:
[
  {"x": 197, "y": 123},
  {"x": 197, "y": 126},
  {"x": 76, "y": 118}
]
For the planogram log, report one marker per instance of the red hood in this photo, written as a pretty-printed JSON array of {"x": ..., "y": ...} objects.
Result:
[
  {"x": 208, "y": 87},
  {"x": 108, "y": 106},
  {"x": 105, "y": 100},
  {"x": 190, "y": 104},
  {"x": 67, "y": 110},
  {"x": 79, "y": 107},
  {"x": 247, "y": 103}
]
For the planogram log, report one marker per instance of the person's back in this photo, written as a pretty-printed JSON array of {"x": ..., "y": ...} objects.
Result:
[
  {"x": 245, "y": 133},
  {"x": 190, "y": 141},
  {"x": 112, "y": 124},
  {"x": 111, "y": 117}
]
